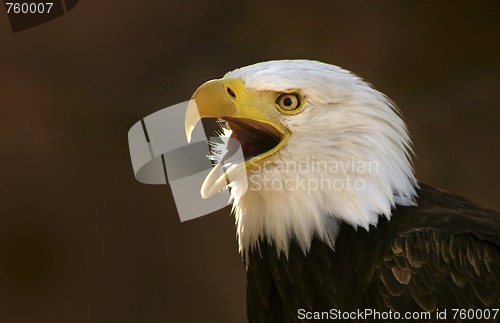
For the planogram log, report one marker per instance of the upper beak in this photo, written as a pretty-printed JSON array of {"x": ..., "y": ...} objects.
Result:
[
  {"x": 230, "y": 99},
  {"x": 211, "y": 100}
]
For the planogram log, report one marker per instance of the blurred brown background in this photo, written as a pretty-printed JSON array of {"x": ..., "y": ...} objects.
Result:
[{"x": 82, "y": 241}]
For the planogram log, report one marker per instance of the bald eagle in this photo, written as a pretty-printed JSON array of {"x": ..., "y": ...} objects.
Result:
[{"x": 329, "y": 216}]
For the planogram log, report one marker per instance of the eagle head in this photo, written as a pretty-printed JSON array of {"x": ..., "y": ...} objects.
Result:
[{"x": 320, "y": 147}]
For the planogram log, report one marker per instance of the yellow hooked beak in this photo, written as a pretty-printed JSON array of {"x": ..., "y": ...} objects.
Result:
[{"x": 251, "y": 115}]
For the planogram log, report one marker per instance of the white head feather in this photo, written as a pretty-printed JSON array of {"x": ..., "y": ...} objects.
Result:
[{"x": 346, "y": 133}]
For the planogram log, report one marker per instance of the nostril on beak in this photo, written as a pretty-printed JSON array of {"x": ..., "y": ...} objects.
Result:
[{"x": 231, "y": 93}]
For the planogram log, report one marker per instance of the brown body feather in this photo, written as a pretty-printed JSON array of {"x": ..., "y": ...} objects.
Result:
[{"x": 443, "y": 254}]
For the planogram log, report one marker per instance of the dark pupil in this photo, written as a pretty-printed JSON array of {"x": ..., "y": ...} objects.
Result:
[{"x": 287, "y": 102}]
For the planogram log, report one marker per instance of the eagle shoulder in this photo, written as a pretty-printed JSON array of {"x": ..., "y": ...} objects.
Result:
[{"x": 445, "y": 253}]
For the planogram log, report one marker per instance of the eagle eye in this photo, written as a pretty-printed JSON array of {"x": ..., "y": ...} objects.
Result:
[{"x": 288, "y": 101}]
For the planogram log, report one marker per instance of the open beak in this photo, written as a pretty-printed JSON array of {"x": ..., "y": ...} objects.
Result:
[{"x": 251, "y": 115}]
